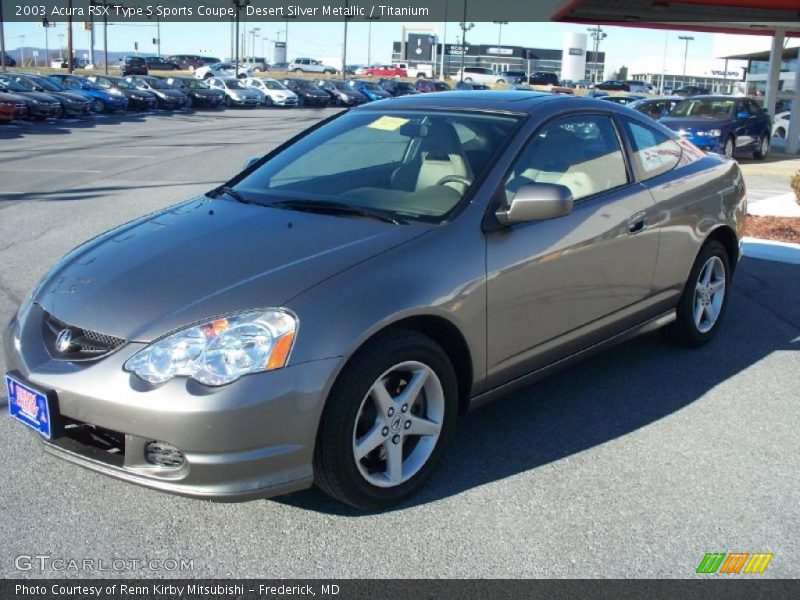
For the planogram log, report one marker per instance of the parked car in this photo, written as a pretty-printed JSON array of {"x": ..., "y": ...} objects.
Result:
[
  {"x": 690, "y": 90},
  {"x": 416, "y": 70},
  {"x": 370, "y": 89},
  {"x": 310, "y": 65},
  {"x": 168, "y": 98},
  {"x": 12, "y": 106},
  {"x": 398, "y": 88},
  {"x": 623, "y": 98},
  {"x": 543, "y": 78},
  {"x": 588, "y": 224},
  {"x": 656, "y": 108},
  {"x": 156, "y": 63},
  {"x": 102, "y": 100},
  {"x": 258, "y": 64},
  {"x": 385, "y": 71},
  {"x": 480, "y": 75},
  {"x": 722, "y": 124},
  {"x": 137, "y": 99},
  {"x": 275, "y": 93},
  {"x": 780, "y": 124},
  {"x": 616, "y": 85},
  {"x": 77, "y": 63},
  {"x": 474, "y": 85},
  {"x": 39, "y": 106},
  {"x": 236, "y": 93},
  {"x": 308, "y": 92},
  {"x": 340, "y": 93},
  {"x": 513, "y": 77},
  {"x": 190, "y": 62},
  {"x": 280, "y": 66},
  {"x": 10, "y": 62},
  {"x": 597, "y": 94},
  {"x": 223, "y": 69},
  {"x": 200, "y": 94},
  {"x": 426, "y": 86},
  {"x": 72, "y": 104},
  {"x": 133, "y": 65}
]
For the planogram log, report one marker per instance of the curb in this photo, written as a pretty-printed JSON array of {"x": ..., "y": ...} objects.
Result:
[{"x": 771, "y": 250}]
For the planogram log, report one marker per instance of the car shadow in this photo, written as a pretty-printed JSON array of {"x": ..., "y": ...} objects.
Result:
[{"x": 609, "y": 395}]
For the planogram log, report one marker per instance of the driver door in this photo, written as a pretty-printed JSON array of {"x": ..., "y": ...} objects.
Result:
[{"x": 557, "y": 286}]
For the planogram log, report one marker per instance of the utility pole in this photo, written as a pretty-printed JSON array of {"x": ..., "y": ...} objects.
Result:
[
  {"x": 464, "y": 29},
  {"x": 687, "y": 39},
  {"x": 70, "y": 62},
  {"x": 2, "y": 41}
]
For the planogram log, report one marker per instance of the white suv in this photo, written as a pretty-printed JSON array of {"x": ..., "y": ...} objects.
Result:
[
  {"x": 310, "y": 65},
  {"x": 481, "y": 75}
]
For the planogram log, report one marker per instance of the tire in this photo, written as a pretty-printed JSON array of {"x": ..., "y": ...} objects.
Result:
[
  {"x": 326, "y": 72},
  {"x": 500, "y": 81},
  {"x": 468, "y": 79},
  {"x": 297, "y": 70},
  {"x": 228, "y": 102},
  {"x": 729, "y": 148},
  {"x": 300, "y": 101},
  {"x": 98, "y": 106},
  {"x": 351, "y": 413},
  {"x": 780, "y": 132},
  {"x": 763, "y": 148},
  {"x": 687, "y": 330},
  {"x": 268, "y": 102}
]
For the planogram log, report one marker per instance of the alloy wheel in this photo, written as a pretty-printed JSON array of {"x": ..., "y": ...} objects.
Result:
[
  {"x": 98, "y": 106},
  {"x": 398, "y": 424},
  {"x": 764, "y": 150},
  {"x": 729, "y": 148},
  {"x": 709, "y": 294}
]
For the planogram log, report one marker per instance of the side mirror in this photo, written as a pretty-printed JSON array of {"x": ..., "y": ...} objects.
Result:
[
  {"x": 251, "y": 161},
  {"x": 537, "y": 202}
]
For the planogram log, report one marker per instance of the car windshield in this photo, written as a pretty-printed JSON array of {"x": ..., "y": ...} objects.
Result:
[
  {"x": 234, "y": 84},
  {"x": 156, "y": 84},
  {"x": 120, "y": 83},
  {"x": 440, "y": 86},
  {"x": 414, "y": 165},
  {"x": 371, "y": 85},
  {"x": 709, "y": 108},
  {"x": 271, "y": 84},
  {"x": 11, "y": 85},
  {"x": 341, "y": 85}
]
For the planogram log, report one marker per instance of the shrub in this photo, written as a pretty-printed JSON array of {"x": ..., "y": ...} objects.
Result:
[{"x": 795, "y": 183}]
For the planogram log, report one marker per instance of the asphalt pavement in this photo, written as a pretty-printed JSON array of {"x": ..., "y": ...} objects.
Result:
[{"x": 634, "y": 463}]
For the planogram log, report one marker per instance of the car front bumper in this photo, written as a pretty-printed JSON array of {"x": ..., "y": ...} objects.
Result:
[
  {"x": 252, "y": 438},
  {"x": 46, "y": 111}
]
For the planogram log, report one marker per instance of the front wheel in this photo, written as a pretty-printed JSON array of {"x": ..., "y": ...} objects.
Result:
[
  {"x": 780, "y": 132},
  {"x": 704, "y": 299},
  {"x": 387, "y": 421},
  {"x": 98, "y": 106},
  {"x": 728, "y": 149},
  {"x": 763, "y": 148}
]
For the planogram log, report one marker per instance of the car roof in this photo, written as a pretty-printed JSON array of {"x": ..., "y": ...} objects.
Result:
[{"x": 519, "y": 101}]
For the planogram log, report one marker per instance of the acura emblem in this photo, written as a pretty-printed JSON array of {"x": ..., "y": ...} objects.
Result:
[{"x": 64, "y": 341}]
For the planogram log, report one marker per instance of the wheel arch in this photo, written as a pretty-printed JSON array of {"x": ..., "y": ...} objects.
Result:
[{"x": 726, "y": 236}]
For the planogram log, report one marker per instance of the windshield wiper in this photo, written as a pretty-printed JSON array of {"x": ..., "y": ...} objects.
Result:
[
  {"x": 224, "y": 189},
  {"x": 338, "y": 208}
]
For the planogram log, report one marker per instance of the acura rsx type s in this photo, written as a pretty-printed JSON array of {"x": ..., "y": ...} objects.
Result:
[{"x": 325, "y": 315}]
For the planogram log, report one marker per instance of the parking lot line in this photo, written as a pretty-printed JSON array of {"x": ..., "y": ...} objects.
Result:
[{"x": 47, "y": 171}]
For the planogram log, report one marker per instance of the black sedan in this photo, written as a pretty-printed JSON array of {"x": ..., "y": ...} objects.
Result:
[
  {"x": 40, "y": 106},
  {"x": 168, "y": 98},
  {"x": 623, "y": 99},
  {"x": 156, "y": 63},
  {"x": 199, "y": 92},
  {"x": 72, "y": 104},
  {"x": 340, "y": 93},
  {"x": 137, "y": 99},
  {"x": 398, "y": 88},
  {"x": 308, "y": 94}
]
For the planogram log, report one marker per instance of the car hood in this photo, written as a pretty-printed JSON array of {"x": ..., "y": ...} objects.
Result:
[
  {"x": 71, "y": 96},
  {"x": 206, "y": 258},
  {"x": 204, "y": 92},
  {"x": 688, "y": 124},
  {"x": 43, "y": 97}
]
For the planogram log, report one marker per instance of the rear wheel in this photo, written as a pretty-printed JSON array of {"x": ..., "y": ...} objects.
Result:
[
  {"x": 387, "y": 421},
  {"x": 98, "y": 106},
  {"x": 297, "y": 70},
  {"x": 780, "y": 132},
  {"x": 704, "y": 299},
  {"x": 763, "y": 148}
]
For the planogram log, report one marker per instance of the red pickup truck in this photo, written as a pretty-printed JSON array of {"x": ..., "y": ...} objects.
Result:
[{"x": 385, "y": 71}]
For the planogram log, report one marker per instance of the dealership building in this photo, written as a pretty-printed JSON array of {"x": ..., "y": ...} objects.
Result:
[{"x": 573, "y": 61}]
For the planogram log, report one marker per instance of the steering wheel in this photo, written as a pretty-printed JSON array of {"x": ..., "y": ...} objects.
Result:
[{"x": 455, "y": 179}]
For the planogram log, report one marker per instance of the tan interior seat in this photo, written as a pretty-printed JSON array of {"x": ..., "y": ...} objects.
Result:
[{"x": 441, "y": 155}]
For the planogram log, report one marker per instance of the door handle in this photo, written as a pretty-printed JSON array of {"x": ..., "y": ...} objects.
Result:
[{"x": 636, "y": 223}]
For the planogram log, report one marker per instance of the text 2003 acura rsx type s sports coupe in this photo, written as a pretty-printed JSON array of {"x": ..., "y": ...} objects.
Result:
[{"x": 326, "y": 315}]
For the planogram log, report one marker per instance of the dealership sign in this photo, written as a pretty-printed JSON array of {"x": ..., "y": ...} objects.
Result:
[
  {"x": 454, "y": 49},
  {"x": 504, "y": 51}
]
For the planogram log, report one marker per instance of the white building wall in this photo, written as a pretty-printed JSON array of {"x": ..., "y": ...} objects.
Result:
[{"x": 573, "y": 57}]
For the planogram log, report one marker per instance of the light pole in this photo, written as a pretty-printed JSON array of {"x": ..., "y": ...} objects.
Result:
[
  {"x": 444, "y": 44},
  {"x": 500, "y": 32},
  {"x": 22, "y": 50},
  {"x": 598, "y": 35},
  {"x": 254, "y": 33},
  {"x": 344, "y": 42},
  {"x": 2, "y": 41},
  {"x": 687, "y": 39},
  {"x": 464, "y": 29},
  {"x": 61, "y": 47},
  {"x": 238, "y": 4}
]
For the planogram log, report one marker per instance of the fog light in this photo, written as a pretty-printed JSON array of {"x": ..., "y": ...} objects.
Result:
[{"x": 162, "y": 454}]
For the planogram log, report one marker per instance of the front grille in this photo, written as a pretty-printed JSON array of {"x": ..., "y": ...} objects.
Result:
[
  {"x": 95, "y": 442},
  {"x": 85, "y": 344}
]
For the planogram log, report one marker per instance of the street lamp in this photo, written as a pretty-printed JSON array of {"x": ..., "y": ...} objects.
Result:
[
  {"x": 60, "y": 47},
  {"x": 464, "y": 29},
  {"x": 239, "y": 4},
  {"x": 499, "y": 32},
  {"x": 254, "y": 33},
  {"x": 22, "y": 50},
  {"x": 687, "y": 39},
  {"x": 598, "y": 35}
]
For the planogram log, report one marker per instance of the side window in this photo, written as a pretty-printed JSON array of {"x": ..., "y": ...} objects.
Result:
[
  {"x": 581, "y": 152},
  {"x": 654, "y": 153}
]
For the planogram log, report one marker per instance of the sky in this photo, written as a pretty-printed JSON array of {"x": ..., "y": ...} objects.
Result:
[{"x": 635, "y": 48}]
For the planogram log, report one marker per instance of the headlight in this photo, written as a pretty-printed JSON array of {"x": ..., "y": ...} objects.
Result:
[
  {"x": 35, "y": 101},
  {"x": 115, "y": 92},
  {"x": 219, "y": 351},
  {"x": 710, "y": 133}
]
